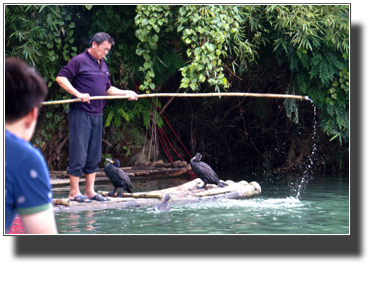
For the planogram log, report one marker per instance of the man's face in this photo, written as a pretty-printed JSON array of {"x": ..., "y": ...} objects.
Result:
[{"x": 101, "y": 50}]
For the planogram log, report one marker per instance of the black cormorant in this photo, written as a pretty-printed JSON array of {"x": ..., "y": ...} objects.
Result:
[
  {"x": 205, "y": 172},
  {"x": 117, "y": 177},
  {"x": 163, "y": 206}
]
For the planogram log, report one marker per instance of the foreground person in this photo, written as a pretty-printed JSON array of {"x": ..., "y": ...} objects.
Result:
[
  {"x": 89, "y": 76},
  {"x": 27, "y": 182}
]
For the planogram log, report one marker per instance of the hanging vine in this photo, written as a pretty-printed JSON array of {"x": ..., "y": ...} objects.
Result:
[
  {"x": 150, "y": 19},
  {"x": 208, "y": 31}
]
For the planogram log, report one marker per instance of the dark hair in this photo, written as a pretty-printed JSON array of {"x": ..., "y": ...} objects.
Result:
[
  {"x": 24, "y": 89},
  {"x": 99, "y": 37}
]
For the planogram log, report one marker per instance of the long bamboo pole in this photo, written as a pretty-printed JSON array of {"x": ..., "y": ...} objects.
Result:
[{"x": 234, "y": 94}]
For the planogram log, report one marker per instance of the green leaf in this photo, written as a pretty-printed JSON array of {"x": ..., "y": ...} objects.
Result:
[
  {"x": 182, "y": 11},
  {"x": 146, "y": 57},
  {"x": 58, "y": 40},
  {"x": 139, "y": 51},
  {"x": 147, "y": 65},
  {"x": 210, "y": 47},
  {"x": 180, "y": 28},
  {"x": 72, "y": 25}
]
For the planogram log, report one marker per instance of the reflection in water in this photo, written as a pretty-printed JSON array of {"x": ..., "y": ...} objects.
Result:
[{"x": 78, "y": 221}]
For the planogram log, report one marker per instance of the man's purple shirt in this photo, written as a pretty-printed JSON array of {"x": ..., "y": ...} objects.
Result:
[{"x": 87, "y": 76}]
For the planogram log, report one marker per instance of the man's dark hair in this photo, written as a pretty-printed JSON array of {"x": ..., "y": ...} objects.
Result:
[
  {"x": 100, "y": 37},
  {"x": 24, "y": 89}
]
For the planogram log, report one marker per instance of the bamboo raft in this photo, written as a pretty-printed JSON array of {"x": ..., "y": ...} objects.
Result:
[
  {"x": 185, "y": 193},
  {"x": 142, "y": 171}
]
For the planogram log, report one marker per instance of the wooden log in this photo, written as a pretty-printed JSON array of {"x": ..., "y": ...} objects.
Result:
[
  {"x": 180, "y": 164},
  {"x": 143, "y": 167},
  {"x": 142, "y": 172},
  {"x": 185, "y": 193},
  {"x": 132, "y": 195},
  {"x": 241, "y": 190},
  {"x": 161, "y": 173},
  {"x": 162, "y": 165},
  {"x": 65, "y": 202}
]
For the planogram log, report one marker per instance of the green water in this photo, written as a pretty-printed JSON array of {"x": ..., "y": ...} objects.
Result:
[{"x": 322, "y": 208}]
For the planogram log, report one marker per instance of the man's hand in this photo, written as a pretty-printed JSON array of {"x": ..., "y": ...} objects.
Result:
[
  {"x": 132, "y": 95},
  {"x": 67, "y": 86},
  {"x": 113, "y": 91},
  {"x": 85, "y": 97}
]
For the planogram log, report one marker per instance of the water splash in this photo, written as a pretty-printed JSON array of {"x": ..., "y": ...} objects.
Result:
[{"x": 308, "y": 172}]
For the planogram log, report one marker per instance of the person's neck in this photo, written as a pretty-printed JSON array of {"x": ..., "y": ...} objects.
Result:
[
  {"x": 90, "y": 50},
  {"x": 19, "y": 129}
]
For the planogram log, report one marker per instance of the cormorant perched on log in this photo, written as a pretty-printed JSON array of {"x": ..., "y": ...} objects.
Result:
[
  {"x": 163, "y": 206},
  {"x": 205, "y": 172},
  {"x": 117, "y": 177}
]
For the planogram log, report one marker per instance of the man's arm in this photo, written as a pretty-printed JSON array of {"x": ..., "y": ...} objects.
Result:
[
  {"x": 67, "y": 86},
  {"x": 40, "y": 223},
  {"x": 113, "y": 91}
]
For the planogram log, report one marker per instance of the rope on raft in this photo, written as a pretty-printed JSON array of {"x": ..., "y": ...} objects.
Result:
[{"x": 176, "y": 136}]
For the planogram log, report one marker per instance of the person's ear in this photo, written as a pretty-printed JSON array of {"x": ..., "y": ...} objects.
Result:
[{"x": 31, "y": 117}]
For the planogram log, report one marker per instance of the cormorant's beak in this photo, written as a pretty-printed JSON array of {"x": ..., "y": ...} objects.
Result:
[
  {"x": 109, "y": 160},
  {"x": 171, "y": 200}
]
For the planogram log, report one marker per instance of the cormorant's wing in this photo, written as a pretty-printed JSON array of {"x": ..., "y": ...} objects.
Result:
[
  {"x": 206, "y": 171},
  {"x": 122, "y": 175}
]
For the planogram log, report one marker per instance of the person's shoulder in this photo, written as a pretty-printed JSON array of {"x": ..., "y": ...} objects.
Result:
[
  {"x": 20, "y": 152},
  {"x": 15, "y": 145},
  {"x": 78, "y": 57}
]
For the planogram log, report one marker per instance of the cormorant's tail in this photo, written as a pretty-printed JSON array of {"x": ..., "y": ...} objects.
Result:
[{"x": 222, "y": 184}]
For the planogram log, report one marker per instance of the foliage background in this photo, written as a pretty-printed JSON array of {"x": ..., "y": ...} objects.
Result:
[{"x": 295, "y": 49}]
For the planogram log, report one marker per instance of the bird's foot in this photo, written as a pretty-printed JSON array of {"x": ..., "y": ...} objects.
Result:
[
  {"x": 119, "y": 193},
  {"x": 111, "y": 194}
]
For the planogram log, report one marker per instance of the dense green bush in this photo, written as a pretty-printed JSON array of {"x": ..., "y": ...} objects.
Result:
[{"x": 193, "y": 48}]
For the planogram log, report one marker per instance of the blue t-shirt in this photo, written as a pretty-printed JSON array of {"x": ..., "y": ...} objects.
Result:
[
  {"x": 88, "y": 76},
  {"x": 27, "y": 182}
]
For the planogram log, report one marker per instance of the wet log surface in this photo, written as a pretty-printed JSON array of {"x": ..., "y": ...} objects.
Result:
[{"x": 185, "y": 193}]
